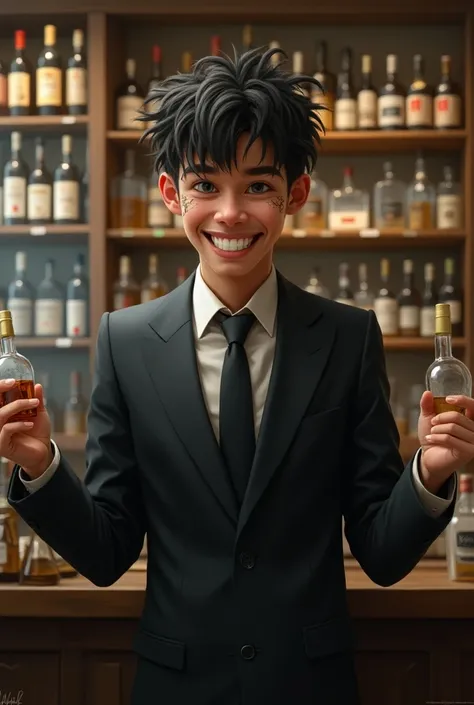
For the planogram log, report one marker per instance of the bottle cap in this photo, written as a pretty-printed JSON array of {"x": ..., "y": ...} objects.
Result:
[
  {"x": 6, "y": 324},
  {"x": 443, "y": 319}
]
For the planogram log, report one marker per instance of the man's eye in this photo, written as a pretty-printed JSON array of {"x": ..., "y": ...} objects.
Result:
[
  {"x": 259, "y": 187},
  {"x": 204, "y": 187}
]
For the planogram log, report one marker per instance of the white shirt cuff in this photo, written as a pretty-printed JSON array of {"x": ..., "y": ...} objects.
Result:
[
  {"x": 434, "y": 505},
  {"x": 35, "y": 485}
]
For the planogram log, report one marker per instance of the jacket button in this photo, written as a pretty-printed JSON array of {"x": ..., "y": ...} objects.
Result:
[
  {"x": 247, "y": 560},
  {"x": 247, "y": 652}
]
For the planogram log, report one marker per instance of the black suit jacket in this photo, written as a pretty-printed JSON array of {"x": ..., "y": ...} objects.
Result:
[{"x": 250, "y": 606}]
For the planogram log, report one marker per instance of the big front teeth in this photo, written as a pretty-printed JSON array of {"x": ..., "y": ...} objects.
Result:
[{"x": 232, "y": 245}]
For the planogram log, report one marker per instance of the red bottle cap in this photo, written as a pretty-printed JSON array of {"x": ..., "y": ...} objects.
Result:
[
  {"x": 156, "y": 54},
  {"x": 20, "y": 39}
]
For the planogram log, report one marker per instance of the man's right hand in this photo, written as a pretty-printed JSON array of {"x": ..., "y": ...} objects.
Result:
[{"x": 26, "y": 444}]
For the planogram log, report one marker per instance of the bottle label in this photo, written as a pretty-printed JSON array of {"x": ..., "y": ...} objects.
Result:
[
  {"x": 3, "y": 90},
  {"x": 14, "y": 197},
  {"x": 66, "y": 200},
  {"x": 448, "y": 211},
  {"x": 419, "y": 110},
  {"x": 19, "y": 89},
  {"x": 158, "y": 213},
  {"x": 386, "y": 311},
  {"x": 39, "y": 202},
  {"x": 456, "y": 311},
  {"x": 391, "y": 111},
  {"x": 3, "y": 553},
  {"x": 326, "y": 100},
  {"x": 73, "y": 422},
  {"x": 76, "y": 86},
  {"x": 420, "y": 215},
  {"x": 427, "y": 322},
  {"x": 348, "y": 220},
  {"x": 48, "y": 87},
  {"x": 128, "y": 107},
  {"x": 76, "y": 318},
  {"x": 49, "y": 317},
  {"x": 392, "y": 214},
  {"x": 345, "y": 117},
  {"x": 409, "y": 318},
  {"x": 447, "y": 110},
  {"x": 367, "y": 109},
  {"x": 22, "y": 315},
  {"x": 465, "y": 547},
  {"x": 313, "y": 215}
]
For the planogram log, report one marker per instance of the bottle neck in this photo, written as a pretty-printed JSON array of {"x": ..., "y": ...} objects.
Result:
[
  {"x": 443, "y": 347},
  {"x": 7, "y": 346}
]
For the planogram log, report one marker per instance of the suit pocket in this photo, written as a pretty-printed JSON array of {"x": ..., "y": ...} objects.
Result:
[
  {"x": 160, "y": 650},
  {"x": 331, "y": 637},
  {"x": 314, "y": 411}
]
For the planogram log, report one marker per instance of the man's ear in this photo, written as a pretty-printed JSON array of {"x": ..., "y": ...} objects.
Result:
[
  {"x": 299, "y": 193},
  {"x": 169, "y": 193}
]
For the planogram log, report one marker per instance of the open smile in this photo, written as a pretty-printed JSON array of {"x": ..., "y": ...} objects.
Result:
[{"x": 233, "y": 244}]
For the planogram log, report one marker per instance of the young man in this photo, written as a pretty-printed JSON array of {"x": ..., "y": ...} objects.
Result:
[{"x": 235, "y": 422}]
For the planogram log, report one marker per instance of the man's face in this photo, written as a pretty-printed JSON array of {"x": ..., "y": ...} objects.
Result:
[{"x": 233, "y": 219}]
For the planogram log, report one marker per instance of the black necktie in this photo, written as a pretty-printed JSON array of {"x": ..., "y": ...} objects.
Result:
[{"x": 236, "y": 422}]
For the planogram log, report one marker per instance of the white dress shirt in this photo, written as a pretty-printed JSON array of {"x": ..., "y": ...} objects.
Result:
[{"x": 211, "y": 346}]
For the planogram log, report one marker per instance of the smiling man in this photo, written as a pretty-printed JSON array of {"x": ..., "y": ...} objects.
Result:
[{"x": 235, "y": 422}]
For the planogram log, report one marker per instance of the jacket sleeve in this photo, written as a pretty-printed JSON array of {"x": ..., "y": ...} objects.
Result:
[
  {"x": 386, "y": 525},
  {"x": 98, "y": 525}
]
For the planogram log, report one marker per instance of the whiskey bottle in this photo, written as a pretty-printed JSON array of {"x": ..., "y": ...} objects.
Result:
[
  {"x": 76, "y": 76},
  {"x": 391, "y": 104},
  {"x": 385, "y": 303},
  {"x": 460, "y": 533},
  {"x": 126, "y": 289},
  {"x": 313, "y": 215},
  {"x": 129, "y": 100},
  {"x": 158, "y": 214},
  {"x": 129, "y": 197},
  {"x": 427, "y": 315},
  {"x": 315, "y": 285},
  {"x": 154, "y": 285},
  {"x": 247, "y": 37},
  {"x": 186, "y": 62},
  {"x": 448, "y": 102},
  {"x": 75, "y": 409},
  {"x": 389, "y": 201},
  {"x": 49, "y": 304},
  {"x": 66, "y": 187},
  {"x": 449, "y": 202},
  {"x": 49, "y": 96},
  {"x": 77, "y": 301},
  {"x": 15, "y": 179},
  {"x": 298, "y": 68},
  {"x": 20, "y": 298},
  {"x": 364, "y": 297},
  {"x": 17, "y": 367},
  {"x": 446, "y": 375},
  {"x": 409, "y": 303},
  {"x": 215, "y": 45},
  {"x": 345, "y": 108},
  {"x": 39, "y": 566},
  {"x": 367, "y": 98},
  {"x": 421, "y": 199},
  {"x": 3, "y": 89},
  {"x": 40, "y": 190},
  {"x": 181, "y": 275},
  {"x": 19, "y": 79},
  {"x": 156, "y": 77},
  {"x": 450, "y": 294},
  {"x": 348, "y": 206},
  {"x": 419, "y": 102},
  {"x": 326, "y": 97},
  {"x": 9, "y": 544},
  {"x": 345, "y": 295}
]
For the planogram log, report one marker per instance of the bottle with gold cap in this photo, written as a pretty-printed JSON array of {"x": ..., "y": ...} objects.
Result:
[
  {"x": 17, "y": 367},
  {"x": 460, "y": 533},
  {"x": 446, "y": 375},
  {"x": 9, "y": 542}
]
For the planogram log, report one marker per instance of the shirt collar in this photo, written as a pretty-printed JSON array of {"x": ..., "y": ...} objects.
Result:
[{"x": 263, "y": 303}]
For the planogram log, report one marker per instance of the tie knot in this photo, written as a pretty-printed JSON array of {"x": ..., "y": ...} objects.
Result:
[{"x": 236, "y": 328}]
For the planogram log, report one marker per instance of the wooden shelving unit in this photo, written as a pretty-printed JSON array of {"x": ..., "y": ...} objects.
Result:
[
  {"x": 44, "y": 123},
  {"x": 53, "y": 343}
]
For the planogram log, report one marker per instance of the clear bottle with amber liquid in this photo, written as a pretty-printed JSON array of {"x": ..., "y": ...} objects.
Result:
[
  {"x": 460, "y": 534},
  {"x": 154, "y": 285},
  {"x": 327, "y": 80},
  {"x": 129, "y": 197},
  {"x": 39, "y": 566},
  {"x": 448, "y": 101},
  {"x": 126, "y": 289},
  {"x": 421, "y": 199},
  {"x": 9, "y": 545},
  {"x": 17, "y": 367},
  {"x": 75, "y": 410}
]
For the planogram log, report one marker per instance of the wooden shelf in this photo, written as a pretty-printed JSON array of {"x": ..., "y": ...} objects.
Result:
[
  {"x": 41, "y": 123},
  {"x": 58, "y": 343},
  {"x": 419, "y": 344},
  {"x": 43, "y": 230}
]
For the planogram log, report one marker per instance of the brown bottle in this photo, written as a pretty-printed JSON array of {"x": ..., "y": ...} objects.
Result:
[
  {"x": 126, "y": 289},
  {"x": 39, "y": 566},
  {"x": 9, "y": 549}
]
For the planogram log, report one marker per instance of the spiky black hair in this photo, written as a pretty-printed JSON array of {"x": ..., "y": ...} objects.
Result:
[{"x": 203, "y": 113}]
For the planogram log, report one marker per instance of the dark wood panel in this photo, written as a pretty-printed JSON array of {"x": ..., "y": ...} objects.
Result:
[
  {"x": 109, "y": 678},
  {"x": 29, "y": 677},
  {"x": 408, "y": 674}
]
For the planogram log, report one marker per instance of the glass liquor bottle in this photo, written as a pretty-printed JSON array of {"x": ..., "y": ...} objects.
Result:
[
  {"x": 77, "y": 301},
  {"x": 247, "y": 37},
  {"x": 315, "y": 285},
  {"x": 326, "y": 97},
  {"x": 385, "y": 303},
  {"x": 446, "y": 375},
  {"x": 181, "y": 275},
  {"x": 391, "y": 104},
  {"x": 129, "y": 100},
  {"x": 19, "y": 79},
  {"x": 348, "y": 206},
  {"x": 344, "y": 294},
  {"x": 421, "y": 199},
  {"x": 49, "y": 96},
  {"x": 17, "y": 367},
  {"x": 409, "y": 303},
  {"x": 76, "y": 76},
  {"x": 298, "y": 68},
  {"x": 367, "y": 98},
  {"x": 75, "y": 410},
  {"x": 20, "y": 298},
  {"x": 448, "y": 101},
  {"x": 39, "y": 566},
  {"x": 451, "y": 294},
  {"x": 129, "y": 197},
  {"x": 3, "y": 89},
  {"x": 66, "y": 187},
  {"x": 158, "y": 214},
  {"x": 427, "y": 316},
  {"x": 50, "y": 405},
  {"x": 313, "y": 215},
  {"x": 40, "y": 190},
  {"x": 154, "y": 81},
  {"x": 345, "y": 108},
  {"x": 460, "y": 533},
  {"x": 49, "y": 304},
  {"x": 9, "y": 544},
  {"x": 126, "y": 289},
  {"x": 419, "y": 102},
  {"x": 389, "y": 201},
  {"x": 449, "y": 202},
  {"x": 154, "y": 285},
  {"x": 364, "y": 297},
  {"x": 15, "y": 178}
]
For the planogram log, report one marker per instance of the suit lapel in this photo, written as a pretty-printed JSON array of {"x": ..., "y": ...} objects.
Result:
[
  {"x": 170, "y": 357},
  {"x": 304, "y": 341}
]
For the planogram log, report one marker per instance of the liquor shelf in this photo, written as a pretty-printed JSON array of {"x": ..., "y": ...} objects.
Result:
[
  {"x": 59, "y": 343},
  {"x": 41, "y": 123},
  {"x": 43, "y": 230}
]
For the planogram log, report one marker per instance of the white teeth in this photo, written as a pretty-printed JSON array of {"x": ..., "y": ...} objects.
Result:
[{"x": 232, "y": 245}]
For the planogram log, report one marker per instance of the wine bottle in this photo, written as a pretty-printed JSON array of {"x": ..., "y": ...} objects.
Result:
[
  {"x": 344, "y": 294},
  {"x": 126, "y": 289},
  {"x": 19, "y": 79},
  {"x": 66, "y": 187},
  {"x": 367, "y": 98},
  {"x": 385, "y": 303},
  {"x": 49, "y": 97},
  {"x": 76, "y": 76},
  {"x": 154, "y": 81},
  {"x": 409, "y": 303},
  {"x": 40, "y": 190},
  {"x": 77, "y": 301},
  {"x": 3, "y": 89},
  {"x": 419, "y": 101},
  {"x": 20, "y": 298},
  {"x": 15, "y": 177},
  {"x": 345, "y": 109},
  {"x": 391, "y": 105},
  {"x": 327, "y": 80},
  {"x": 427, "y": 316},
  {"x": 447, "y": 103},
  {"x": 129, "y": 100},
  {"x": 49, "y": 305},
  {"x": 451, "y": 294}
]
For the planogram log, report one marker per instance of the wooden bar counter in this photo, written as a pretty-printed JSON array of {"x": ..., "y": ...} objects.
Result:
[{"x": 71, "y": 644}]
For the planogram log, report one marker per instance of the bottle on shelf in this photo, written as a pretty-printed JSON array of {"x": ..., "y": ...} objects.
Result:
[
  {"x": 181, "y": 275},
  {"x": 247, "y": 37},
  {"x": 155, "y": 79},
  {"x": 327, "y": 80},
  {"x": 448, "y": 101},
  {"x": 129, "y": 100},
  {"x": 315, "y": 285},
  {"x": 39, "y": 566},
  {"x": 446, "y": 375},
  {"x": 421, "y": 200},
  {"x": 345, "y": 107},
  {"x": 19, "y": 78},
  {"x": 460, "y": 533},
  {"x": 409, "y": 303},
  {"x": 186, "y": 62},
  {"x": 129, "y": 197},
  {"x": 389, "y": 201},
  {"x": 49, "y": 304},
  {"x": 9, "y": 543},
  {"x": 85, "y": 190},
  {"x": 429, "y": 301},
  {"x": 215, "y": 45},
  {"x": 75, "y": 409},
  {"x": 391, "y": 103},
  {"x": 126, "y": 289},
  {"x": 385, "y": 302},
  {"x": 348, "y": 206},
  {"x": 364, "y": 297},
  {"x": 3, "y": 89},
  {"x": 17, "y": 367},
  {"x": 49, "y": 96},
  {"x": 15, "y": 179},
  {"x": 419, "y": 102},
  {"x": 367, "y": 98},
  {"x": 40, "y": 189},
  {"x": 449, "y": 202},
  {"x": 158, "y": 214},
  {"x": 77, "y": 301},
  {"x": 344, "y": 294},
  {"x": 154, "y": 285},
  {"x": 451, "y": 294},
  {"x": 43, "y": 378},
  {"x": 76, "y": 76},
  {"x": 298, "y": 68},
  {"x": 66, "y": 187},
  {"x": 20, "y": 298},
  {"x": 314, "y": 213}
]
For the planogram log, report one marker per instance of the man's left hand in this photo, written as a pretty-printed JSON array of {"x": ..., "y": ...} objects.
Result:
[{"x": 446, "y": 439}]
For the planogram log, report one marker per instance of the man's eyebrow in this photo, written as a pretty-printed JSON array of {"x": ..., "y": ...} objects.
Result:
[{"x": 252, "y": 171}]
